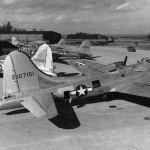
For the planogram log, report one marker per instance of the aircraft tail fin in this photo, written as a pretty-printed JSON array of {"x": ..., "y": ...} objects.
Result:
[
  {"x": 85, "y": 48},
  {"x": 21, "y": 79},
  {"x": 43, "y": 59},
  {"x": 61, "y": 43},
  {"x": 15, "y": 41}
]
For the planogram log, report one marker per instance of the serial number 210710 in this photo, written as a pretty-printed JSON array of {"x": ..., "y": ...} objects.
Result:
[{"x": 22, "y": 75}]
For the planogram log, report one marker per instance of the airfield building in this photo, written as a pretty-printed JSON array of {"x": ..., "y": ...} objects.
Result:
[
  {"x": 5, "y": 38},
  {"x": 50, "y": 36},
  {"x": 6, "y": 47}
]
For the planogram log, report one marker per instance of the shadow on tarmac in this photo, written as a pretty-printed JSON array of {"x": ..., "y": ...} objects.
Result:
[
  {"x": 18, "y": 111},
  {"x": 67, "y": 118}
]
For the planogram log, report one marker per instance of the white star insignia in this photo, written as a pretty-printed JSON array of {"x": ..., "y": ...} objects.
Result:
[{"x": 81, "y": 91}]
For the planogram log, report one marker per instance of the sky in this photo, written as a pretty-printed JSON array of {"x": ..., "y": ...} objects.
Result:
[{"x": 72, "y": 16}]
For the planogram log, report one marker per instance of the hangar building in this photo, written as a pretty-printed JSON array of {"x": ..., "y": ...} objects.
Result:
[{"x": 5, "y": 47}]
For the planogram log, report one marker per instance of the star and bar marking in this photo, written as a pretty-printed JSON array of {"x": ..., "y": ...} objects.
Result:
[{"x": 81, "y": 90}]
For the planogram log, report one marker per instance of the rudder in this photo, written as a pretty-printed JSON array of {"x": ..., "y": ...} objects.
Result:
[
  {"x": 61, "y": 43},
  {"x": 85, "y": 48},
  {"x": 43, "y": 59},
  {"x": 19, "y": 77}
]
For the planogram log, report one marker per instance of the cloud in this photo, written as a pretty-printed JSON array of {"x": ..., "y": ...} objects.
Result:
[
  {"x": 9, "y": 2},
  {"x": 125, "y": 7},
  {"x": 92, "y": 16},
  {"x": 59, "y": 18},
  {"x": 76, "y": 19}
]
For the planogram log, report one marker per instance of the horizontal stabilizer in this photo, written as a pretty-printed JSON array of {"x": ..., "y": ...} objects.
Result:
[{"x": 41, "y": 106}]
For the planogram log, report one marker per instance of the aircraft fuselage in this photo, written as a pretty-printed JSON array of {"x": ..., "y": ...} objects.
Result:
[
  {"x": 64, "y": 54},
  {"x": 84, "y": 86}
]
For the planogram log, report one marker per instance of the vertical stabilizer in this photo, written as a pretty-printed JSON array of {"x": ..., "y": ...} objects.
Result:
[
  {"x": 61, "y": 43},
  {"x": 15, "y": 42},
  {"x": 43, "y": 59},
  {"x": 85, "y": 48},
  {"x": 19, "y": 77}
]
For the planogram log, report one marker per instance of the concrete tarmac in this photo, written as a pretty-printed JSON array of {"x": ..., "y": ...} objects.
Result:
[{"x": 108, "y": 125}]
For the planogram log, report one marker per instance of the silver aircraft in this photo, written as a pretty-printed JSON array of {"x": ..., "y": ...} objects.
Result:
[{"x": 25, "y": 84}]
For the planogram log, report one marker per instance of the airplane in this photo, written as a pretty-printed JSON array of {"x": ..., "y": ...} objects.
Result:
[
  {"x": 16, "y": 42},
  {"x": 29, "y": 47},
  {"x": 89, "y": 68},
  {"x": 59, "y": 50},
  {"x": 25, "y": 84},
  {"x": 80, "y": 52},
  {"x": 104, "y": 41},
  {"x": 131, "y": 49},
  {"x": 42, "y": 59}
]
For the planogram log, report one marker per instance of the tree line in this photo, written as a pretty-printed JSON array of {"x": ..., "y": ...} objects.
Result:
[
  {"x": 81, "y": 35},
  {"x": 9, "y": 28}
]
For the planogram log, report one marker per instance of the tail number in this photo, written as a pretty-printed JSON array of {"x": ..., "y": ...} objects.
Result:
[{"x": 22, "y": 75}]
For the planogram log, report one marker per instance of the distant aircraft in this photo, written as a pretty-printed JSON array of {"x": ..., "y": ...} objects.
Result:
[
  {"x": 60, "y": 50},
  {"x": 145, "y": 59},
  {"x": 131, "y": 49},
  {"x": 104, "y": 41},
  {"x": 41, "y": 94},
  {"x": 81, "y": 52},
  {"x": 29, "y": 47},
  {"x": 36, "y": 43}
]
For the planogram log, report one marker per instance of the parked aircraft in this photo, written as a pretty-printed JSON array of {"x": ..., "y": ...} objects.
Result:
[
  {"x": 131, "y": 49},
  {"x": 36, "y": 43},
  {"x": 40, "y": 94},
  {"x": 81, "y": 52},
  {"x": 103, "y": 41}
]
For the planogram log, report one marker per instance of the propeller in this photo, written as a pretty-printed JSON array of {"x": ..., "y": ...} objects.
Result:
[{"x": 125, "y": 61}]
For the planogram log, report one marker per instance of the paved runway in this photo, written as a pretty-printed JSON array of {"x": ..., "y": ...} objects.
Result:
[{"x": 109, "y": 125}]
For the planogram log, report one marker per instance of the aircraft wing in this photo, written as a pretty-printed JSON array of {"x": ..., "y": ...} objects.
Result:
[
  {"x": 87, "y": 67},
  {"x": 138, "y": 87},
  {"x": 41, "y": 105}
]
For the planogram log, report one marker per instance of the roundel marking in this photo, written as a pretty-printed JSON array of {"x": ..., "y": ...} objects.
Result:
[{"x": 81, "y": 90}]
